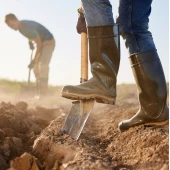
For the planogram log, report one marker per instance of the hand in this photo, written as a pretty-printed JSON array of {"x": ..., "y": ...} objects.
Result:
[
  {"x": 31, "y": 65},
  {"x": 81, "y": 23},
  {"x": 31, "y": 45}
]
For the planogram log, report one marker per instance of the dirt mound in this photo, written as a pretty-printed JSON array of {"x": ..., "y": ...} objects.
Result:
[
  {"x": 19, "y": 127},
  {"x": 31, "y": 139},
  {"x": 102, "y": 146}
]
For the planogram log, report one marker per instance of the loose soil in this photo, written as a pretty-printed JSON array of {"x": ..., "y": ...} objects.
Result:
[{"x": 31, "y": 139}]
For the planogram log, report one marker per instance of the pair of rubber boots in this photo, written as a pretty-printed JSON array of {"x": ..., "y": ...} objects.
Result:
[{"x": 104, "y": 53}]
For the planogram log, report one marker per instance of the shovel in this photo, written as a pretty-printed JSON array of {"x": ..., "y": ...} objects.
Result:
[
  {"x": 80, "y": 110},
  {"x": 29, "y": 73},
  {"x": 28, "y": 89}
]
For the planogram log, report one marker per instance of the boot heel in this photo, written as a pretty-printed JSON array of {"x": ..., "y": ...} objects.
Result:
[{"x": 106, "y": 101}]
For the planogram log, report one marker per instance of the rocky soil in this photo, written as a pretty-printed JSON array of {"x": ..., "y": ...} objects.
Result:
[{"x": 31, "y": 138}]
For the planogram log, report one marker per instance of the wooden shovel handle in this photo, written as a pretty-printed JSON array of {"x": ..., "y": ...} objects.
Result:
[{"x": 84, "y": 57}]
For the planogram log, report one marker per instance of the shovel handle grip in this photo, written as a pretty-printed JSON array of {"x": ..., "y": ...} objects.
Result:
[{"x": 84, "y": 57}]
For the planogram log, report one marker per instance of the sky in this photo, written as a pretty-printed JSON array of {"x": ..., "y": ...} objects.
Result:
[{"x": 60, "y": 17}]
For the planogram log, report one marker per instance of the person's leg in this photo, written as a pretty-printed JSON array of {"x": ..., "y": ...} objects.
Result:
[
  {"x": 103, "y": 53},
  {"x": 98, "y": 12},
  {"x": 133, "y": 22},
  {"x": 146, "y": 66},
  {"x": 45, "y": 58}
]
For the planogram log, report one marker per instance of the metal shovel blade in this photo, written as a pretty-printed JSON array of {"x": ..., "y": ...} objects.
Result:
[
  {"x": 77, "y": 117},
  {"x": 69, "y": 122}
]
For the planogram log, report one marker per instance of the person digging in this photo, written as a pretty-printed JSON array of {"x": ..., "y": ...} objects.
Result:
[
  {"x": 105, "y": 58},
  {"x": 45, "y": 45}
]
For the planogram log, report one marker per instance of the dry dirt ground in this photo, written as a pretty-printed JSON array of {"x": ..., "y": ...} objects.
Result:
[{"x": 30, "y": 137}]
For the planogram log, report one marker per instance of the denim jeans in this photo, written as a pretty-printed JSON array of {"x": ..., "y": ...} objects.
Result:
[{"x": 133, "y": 21}]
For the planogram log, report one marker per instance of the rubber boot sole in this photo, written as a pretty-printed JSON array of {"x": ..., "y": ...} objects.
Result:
[
  {"x": 149, "y": 124},
  {"x": 98, "y": 98},
  {"x": 157, "y": 123}
]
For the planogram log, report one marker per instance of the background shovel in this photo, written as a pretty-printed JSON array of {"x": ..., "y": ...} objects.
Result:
[
  {"x": 28, "y": 89},
  {"x": 80, "y": 110}
]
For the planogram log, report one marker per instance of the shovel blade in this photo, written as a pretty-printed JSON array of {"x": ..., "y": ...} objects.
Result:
[
  {"x": 77, "y": 118},
  {"x": 71, "y": 118}
]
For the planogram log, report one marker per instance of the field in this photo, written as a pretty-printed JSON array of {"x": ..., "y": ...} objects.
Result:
[{"x": 30, "y": 136}]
